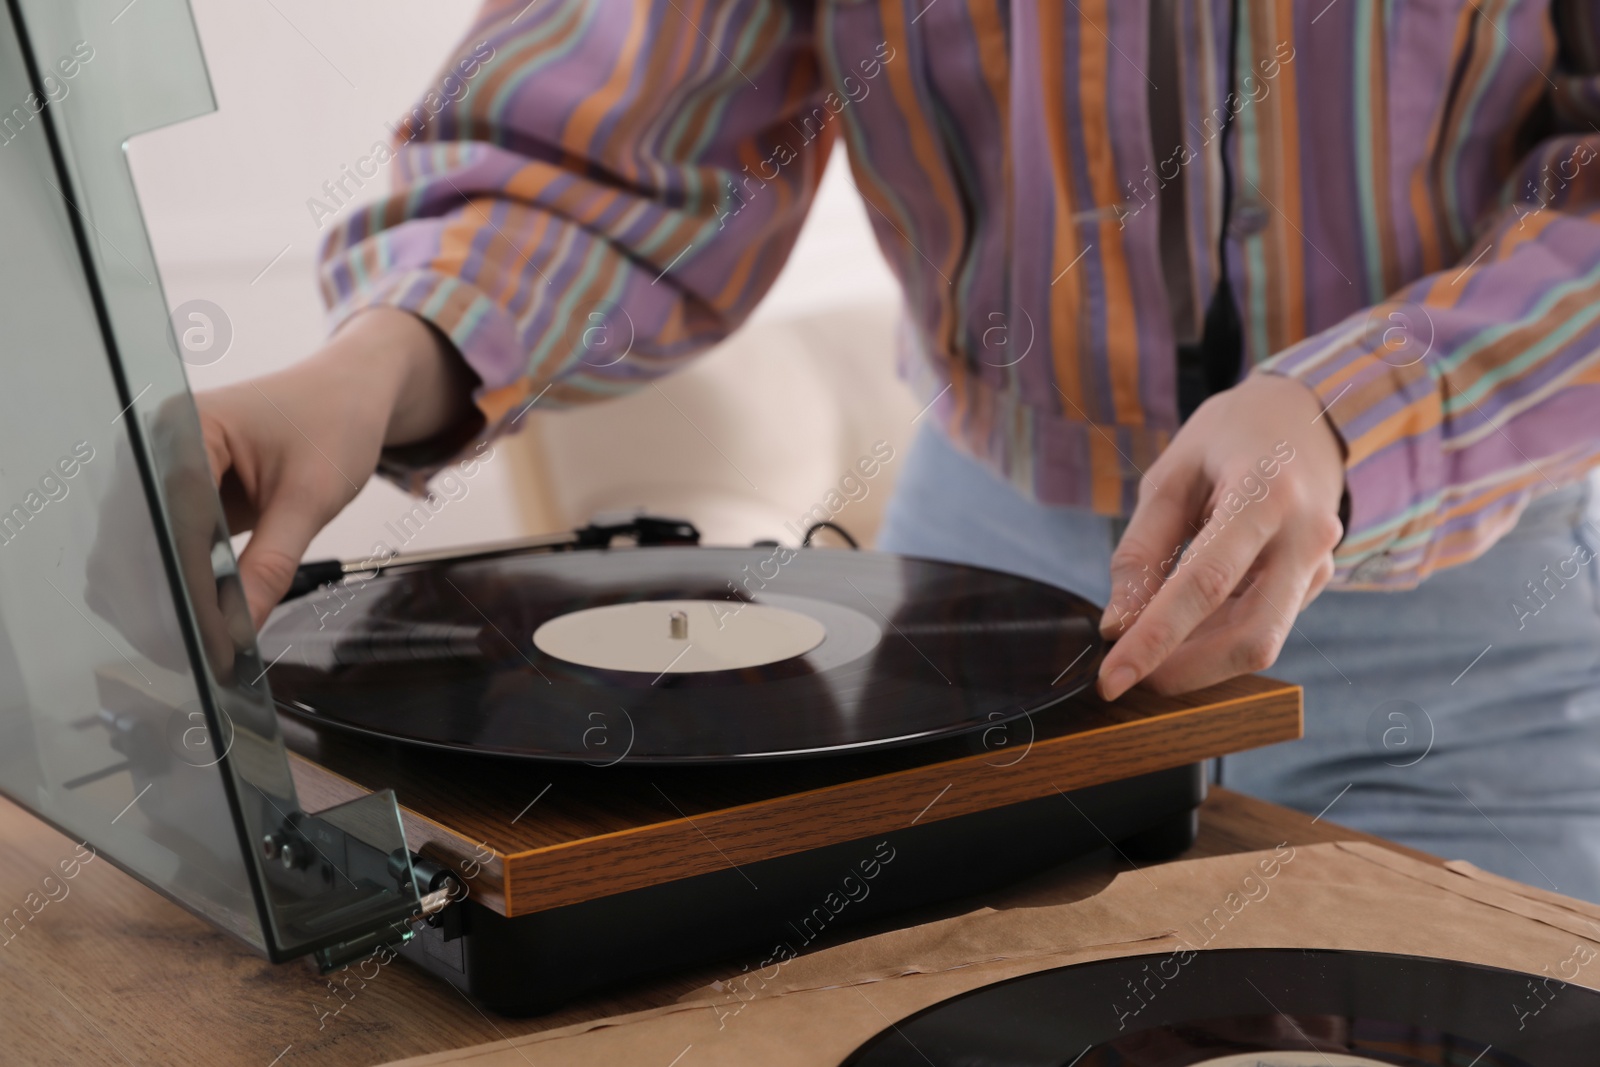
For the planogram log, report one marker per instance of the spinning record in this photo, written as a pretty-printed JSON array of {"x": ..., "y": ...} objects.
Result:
[
  {"x": 1254, "y": 1008},
  {"x": 664, "y": 655}
]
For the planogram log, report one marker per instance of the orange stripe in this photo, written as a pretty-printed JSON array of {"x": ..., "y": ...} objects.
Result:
[
  {"x": 769, "y": 249},
  {"x": 1463, "y": 546},
  {"x": 1271, "y": 240},
  {"x": 1506, "y": 349},
  {"x": 1413, "y": 420},
  {"x": 455, "y": 245},
  {"x": 1483, "y": 500},
  {"x": 532, "y": 179},
  {"x": 667, "y": 67},
  {"x": 1105, "y": 478},
  {"x": 1285, "y": 114},
  {"x": 513, "y": 66},
  {"x": 1513, "y": 237},
  {"x": 989, "y": 31},
  {"x": 594, "y": 202},
  {"x": 928, "y": 158},
  {"x": 960, "y": 394},
  {"x": 1493, "y": 520},
  {"x": 582, "y": 202},
  {"x": 498, "y": 251},
  {"x": 1066, "y": 297},
  {"x": 760, "y": 249},
  {"x": 1122, "y": 331},
  {"x": 1478, "y": 63},
  {"x": 594, "y": 108},
  {"x": 497, "y": 403},
  {"x": 514, "y": 278}
]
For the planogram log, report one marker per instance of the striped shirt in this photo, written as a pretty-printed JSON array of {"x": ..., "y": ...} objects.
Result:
[{"x": 596, "y": 190}]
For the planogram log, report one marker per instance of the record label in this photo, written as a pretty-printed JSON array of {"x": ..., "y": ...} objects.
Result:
[{"x": 679, "y": 636}]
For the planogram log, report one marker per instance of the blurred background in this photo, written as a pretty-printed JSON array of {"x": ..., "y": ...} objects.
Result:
[{"x": 754, "y": 434}]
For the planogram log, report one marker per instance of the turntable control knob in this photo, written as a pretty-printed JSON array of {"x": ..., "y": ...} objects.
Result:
[{"x": 679, "y": 624}]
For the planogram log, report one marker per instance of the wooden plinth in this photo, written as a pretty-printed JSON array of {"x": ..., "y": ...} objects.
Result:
[{"x": 531, "y": 836}]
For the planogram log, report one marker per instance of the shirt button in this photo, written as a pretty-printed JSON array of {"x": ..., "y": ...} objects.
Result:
[
  {"x": 1372, "y": 569},
  {"x": 1249, "y": 218}
]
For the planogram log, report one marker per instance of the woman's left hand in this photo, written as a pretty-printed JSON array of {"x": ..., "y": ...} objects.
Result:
[{"x": 1232, "y": 537}]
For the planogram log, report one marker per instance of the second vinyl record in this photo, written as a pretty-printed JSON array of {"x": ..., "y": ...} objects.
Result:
[
  {"x": 668, "y": 655},
  {"x": 1254, "y": 1008}
]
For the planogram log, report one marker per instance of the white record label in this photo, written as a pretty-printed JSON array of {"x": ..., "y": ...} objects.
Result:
[
  {"x": 1290, "y": 1059},
  {"x": 679, "y": 636}
]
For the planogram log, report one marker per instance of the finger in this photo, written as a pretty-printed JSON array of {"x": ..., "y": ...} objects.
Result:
[
  {"x": 237, "y": 507},
  {"x": 268, "y": 563},
  {"x": 1246, "y": 634},
  {"x": 217, "y": 458},
  {"x": 1207, "y": 573},
  {"x": 220, "y": 635},
  {"x": 1145, "y": 555},
  {"x": 215, "y": 438},
  {"x": 1319, "y": 581},
  {"x": 238, "y": 504}
]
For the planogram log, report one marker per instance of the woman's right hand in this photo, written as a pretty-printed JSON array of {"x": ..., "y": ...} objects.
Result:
[{"x": 290, "y": 450}]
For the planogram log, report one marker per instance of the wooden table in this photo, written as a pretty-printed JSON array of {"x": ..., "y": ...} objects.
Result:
[{"x": 113, "y": 973}]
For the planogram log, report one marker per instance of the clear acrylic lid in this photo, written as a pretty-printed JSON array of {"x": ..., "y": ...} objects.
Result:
[{"x": 135, "y": 713}]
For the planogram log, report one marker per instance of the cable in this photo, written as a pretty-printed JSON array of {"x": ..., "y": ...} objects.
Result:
[{"x": 835, "y": 527}]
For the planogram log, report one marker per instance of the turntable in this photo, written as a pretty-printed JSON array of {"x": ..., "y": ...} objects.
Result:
[
  {"x": 536, "y": 771},
  {"x": 591, "y": 821}
]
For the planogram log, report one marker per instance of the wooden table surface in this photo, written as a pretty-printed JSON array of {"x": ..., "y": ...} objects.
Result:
[{"x": 111, "y": 972}]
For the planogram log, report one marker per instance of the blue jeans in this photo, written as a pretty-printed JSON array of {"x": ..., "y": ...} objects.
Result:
[{"x": 1444, "y": 717}]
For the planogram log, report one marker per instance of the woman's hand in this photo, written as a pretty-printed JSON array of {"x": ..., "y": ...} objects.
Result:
[
  {"x": 290, "y": 450},
  {"x": 1232, "y": 537}
]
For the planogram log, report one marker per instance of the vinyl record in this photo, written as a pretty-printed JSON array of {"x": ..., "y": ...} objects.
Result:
[
  {"x": 680, "y": 655},
  {"x": 1256, "y": 1008}
]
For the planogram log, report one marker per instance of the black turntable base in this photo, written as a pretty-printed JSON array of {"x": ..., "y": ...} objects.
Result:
[{"x": 774, "y": 909}]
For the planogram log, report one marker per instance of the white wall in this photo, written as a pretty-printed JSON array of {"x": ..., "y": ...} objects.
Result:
[{"x": 303, "y": 88}]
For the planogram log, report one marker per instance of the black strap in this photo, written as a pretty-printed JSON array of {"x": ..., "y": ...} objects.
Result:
[{"x": 1213, "y": 364}]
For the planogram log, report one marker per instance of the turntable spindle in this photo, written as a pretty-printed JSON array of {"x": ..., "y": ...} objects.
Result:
[{"x": 678, "y": 623}]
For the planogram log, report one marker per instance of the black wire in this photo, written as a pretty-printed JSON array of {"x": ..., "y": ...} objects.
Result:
[
  {"x": 1223, "y": 337},
  {"x": 1227, "y": 131},
  {"x": 835, "y": 527}
]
